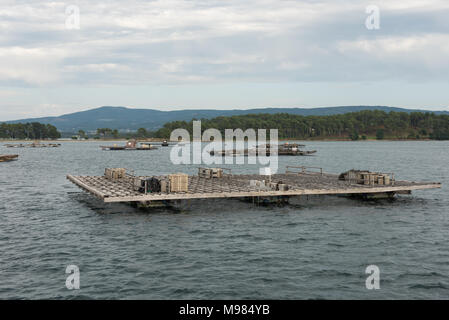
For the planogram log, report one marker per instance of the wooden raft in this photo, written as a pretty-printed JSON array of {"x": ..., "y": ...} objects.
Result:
[
  {"x": 8, "y": 157},
  {"x": 238, "y": 186}
]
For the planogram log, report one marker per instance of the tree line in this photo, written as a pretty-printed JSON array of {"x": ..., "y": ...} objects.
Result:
[
  {"x": 355, "y": 125},
  {"x": 32, "y": 131},
  {"x": 115, "y": 134}
]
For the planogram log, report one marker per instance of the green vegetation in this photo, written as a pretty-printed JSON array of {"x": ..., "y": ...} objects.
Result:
[
  {"x": 354, "y": 136},
  {"x": 33, "y": 131},
  {"x": 378, "y": 124},
  {"x": 108, "y": 133},
  {"x": 380, "y": 134},
  {"x": 82, "y": 134},
  {"x": 142, "y": 133}
]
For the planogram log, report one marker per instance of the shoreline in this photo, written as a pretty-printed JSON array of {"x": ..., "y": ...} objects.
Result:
[{"x": 161, "y": 140}]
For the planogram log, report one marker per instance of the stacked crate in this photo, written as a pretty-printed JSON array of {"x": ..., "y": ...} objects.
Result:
[
  {"x": 374, "y": 178},
  {"x": 217, "y": 173},
  {"x": 209, "y": 173},
  {"x": 366, "y": 177},
  {"x": 179, "y": 182},
  {"x": 165, "y": 185},
  {"x": 204, "y": 173},
  {"x": 114, "y": 173},
  {"x": 139, "y": 185},
  {"x": 152, "y": 185}
]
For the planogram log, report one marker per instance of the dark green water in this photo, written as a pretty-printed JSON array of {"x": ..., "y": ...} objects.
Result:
[{"x": 223, "y": 249}]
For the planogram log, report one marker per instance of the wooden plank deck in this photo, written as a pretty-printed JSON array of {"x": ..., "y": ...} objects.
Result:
[{"x": 238, "y": 186}]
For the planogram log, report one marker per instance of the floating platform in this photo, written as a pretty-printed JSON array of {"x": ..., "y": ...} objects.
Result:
[
  {"x": 246, "y": 153},
  {"x": 118, "y": 148},
  {"x": 130, "y": 146},
  {"x": 285, "y": 149},
  {"x": 8, "y": 157},
  {"x": 242, "y": 186},
  {"x": 164, "y": 143},
  {"x": 33, "y": 145}
]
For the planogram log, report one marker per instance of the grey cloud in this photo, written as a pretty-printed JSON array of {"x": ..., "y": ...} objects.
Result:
[{"x": 194, "y": 41}]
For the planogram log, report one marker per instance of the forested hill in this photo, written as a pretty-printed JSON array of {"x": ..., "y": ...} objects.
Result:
[
  {"x": 127, "y": 119},
  {"x": 355, "y": 125}
]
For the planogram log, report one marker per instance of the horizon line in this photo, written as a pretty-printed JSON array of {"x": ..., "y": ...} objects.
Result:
[{"x": 423, "y": 109}]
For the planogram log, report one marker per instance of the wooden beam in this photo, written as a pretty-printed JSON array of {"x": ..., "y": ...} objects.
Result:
[
  {"x": 171, "y": 196},
  {"x": 86, "y": 187}
]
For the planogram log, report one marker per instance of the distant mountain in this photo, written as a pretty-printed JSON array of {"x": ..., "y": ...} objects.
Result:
[{"x": 124, "y": 119}]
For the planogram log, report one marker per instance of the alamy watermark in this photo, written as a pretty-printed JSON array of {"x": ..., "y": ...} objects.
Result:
[
  {"x": 253, "y": 143},
  {"x": 73, "y": 280},
  {"x": 372, "y": 22},
  {"x": 373, "y": 280},
  {"x": 72, "y": 20}
]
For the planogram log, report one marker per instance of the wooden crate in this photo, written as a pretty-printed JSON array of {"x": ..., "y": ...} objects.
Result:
[
  {"x": 139, "y": 184},
  {"x": 209, "y": 173},
  {"x": 114, "y": 173},
  {"x": 216, "y": 172},
  {"x": 204, "y": 173},
  {"x": 179, "y": 182},
  {"x": 380, "y": 179},
  {"x": 165, "y": 186},
  {"x": 282, "y": 187}
]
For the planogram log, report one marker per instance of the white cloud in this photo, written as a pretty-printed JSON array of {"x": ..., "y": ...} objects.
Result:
[
  {"x": 171, "y": 41},
  {"x": 30, "y": 65},
  {"x": 94, "y": 67},
  {"x": 177, "y": 42},
  {"x": 425, "y": 55}
]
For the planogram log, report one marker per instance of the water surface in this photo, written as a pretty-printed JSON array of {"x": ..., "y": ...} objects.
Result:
[{"x": 222, "y": 249}]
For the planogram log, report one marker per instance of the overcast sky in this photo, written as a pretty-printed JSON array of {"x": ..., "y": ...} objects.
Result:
[{"x": 226, "y": 54}]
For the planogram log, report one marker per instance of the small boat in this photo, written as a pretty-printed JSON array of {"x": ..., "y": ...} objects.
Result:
[
  {"x": 130, "y": 145},
  {"x": 9, "y": 157},
  {"x": 164, "y": 143}
]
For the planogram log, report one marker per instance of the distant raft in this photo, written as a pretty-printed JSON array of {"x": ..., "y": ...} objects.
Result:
[
  {"x": 9, "y": 157},
  {"x": 285, "y": 149},
  {"x": 130, "y": 145},
  {"x": 33, "y": 145}
]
